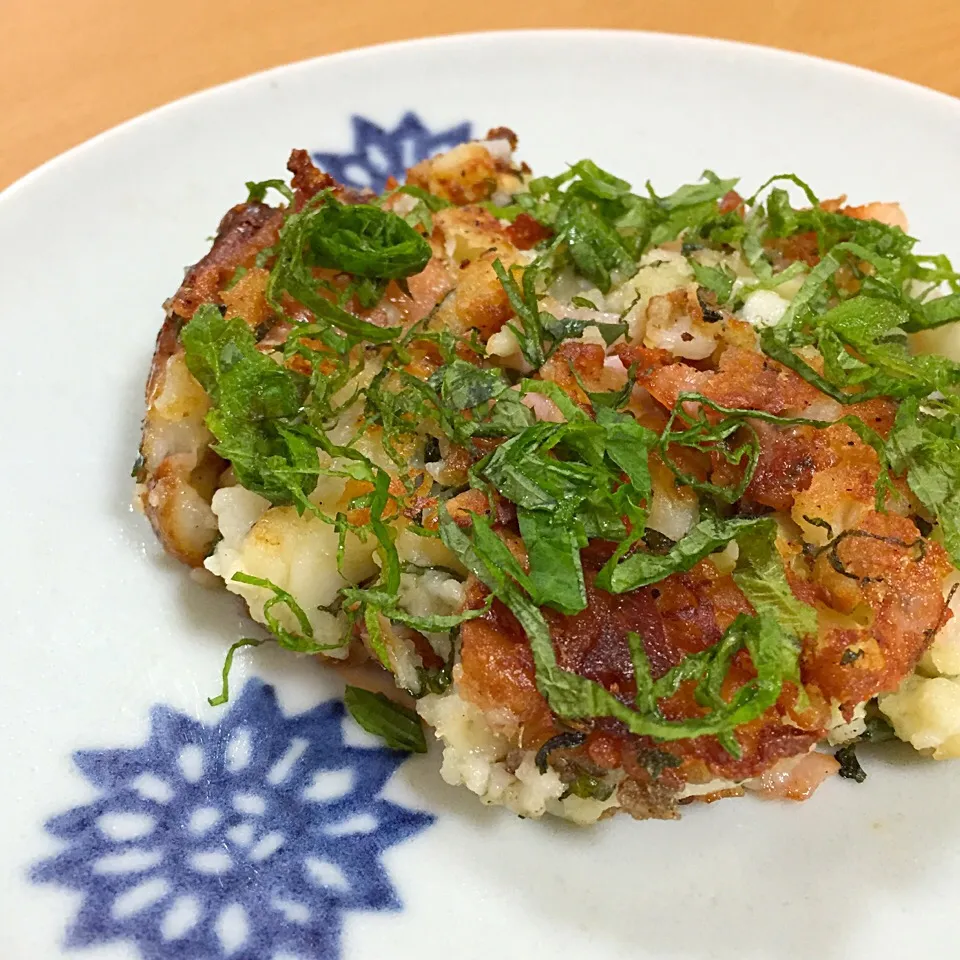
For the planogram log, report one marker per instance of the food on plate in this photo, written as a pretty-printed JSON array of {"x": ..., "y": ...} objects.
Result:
[{"x": 635, "y": 499}]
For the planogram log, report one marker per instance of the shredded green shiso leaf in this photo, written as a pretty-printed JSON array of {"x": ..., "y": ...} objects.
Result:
[{"x": 398, "y": 726}]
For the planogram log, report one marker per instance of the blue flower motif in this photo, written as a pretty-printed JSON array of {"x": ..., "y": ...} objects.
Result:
[
  {"x": 379, "y": 153},
  {"x": 247, "y": 840}
]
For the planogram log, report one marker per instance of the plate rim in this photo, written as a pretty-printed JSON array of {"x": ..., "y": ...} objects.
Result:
[
  {"x": 486, "y": 37},
  {"x": 25, "y": 191}
]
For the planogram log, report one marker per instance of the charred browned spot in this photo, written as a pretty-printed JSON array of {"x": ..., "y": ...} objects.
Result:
[
  {"x": 525, "y": 232},
  {"x": 428, "y": 656},
  {"x": 647, "y": 801},
  {"x": 481, "y": 302},
  {"x": 247, "y": 229},
  {"x": 503, "y": 133},
  {"x": 464, "y": 505},
  {"x": 683, "y": 614},
  {"x": 180, "y": 513},
  {"x": 299, "y": 364},
  {"x": 748, "y": 379},
  {"x": 245, "y": 299},
  {"x": 417, "y": 504},
  {"x": 574, "y": 363},
  {"x": 308, "y": 179},
  {"x": 785, "y": 465},
  {"x": 497, "y": 670},
  {"x": 605, "y": 750},
  {"x": 763, "y": 742},
  {"x": 466, "y": 174},
  {"x": 802, "y": 247},
  {"x": 891, "y": 596},
  {"x": 504, "y": 512},
  {"x": 731, "y": 201},
  {"x": 878, "y": 414}
]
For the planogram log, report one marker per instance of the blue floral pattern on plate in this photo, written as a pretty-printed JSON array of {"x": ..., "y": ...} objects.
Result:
[
  {"x": 248, "y": 839},
  {"x": 251, "y": 838},
  {"x": 379, "y": 153}
]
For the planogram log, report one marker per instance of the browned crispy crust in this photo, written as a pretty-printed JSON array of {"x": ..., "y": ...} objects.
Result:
[
  {"x": 877, "y": 615},
  {"x": 307, "y": 180},
  {"x": 167, "y": 344},
  {"x": 246, "y": 229},
  {"x": 179, "y": 471}
]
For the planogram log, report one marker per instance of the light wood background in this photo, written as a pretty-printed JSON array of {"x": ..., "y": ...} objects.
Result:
[{"x": 71, "y": 68}]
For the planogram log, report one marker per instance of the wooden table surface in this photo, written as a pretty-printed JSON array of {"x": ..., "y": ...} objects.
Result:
[{"x": 71, "y": 68}]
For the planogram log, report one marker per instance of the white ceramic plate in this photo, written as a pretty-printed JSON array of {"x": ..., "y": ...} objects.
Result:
[{"x": 139, "y": 822}]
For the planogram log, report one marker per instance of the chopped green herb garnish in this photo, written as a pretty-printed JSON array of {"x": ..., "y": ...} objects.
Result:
[
  {"x": 359, "y": 239},
  {"x": 772, "y": 651},
  {"x": 878, "y": 728},
  {"x": 643, "y": 568},
  {"x": 256, "y": 415},
  {"x": 257, "y": 191},
  {"x": 409, "y": 402},
  {"x": 364, "y": 240},
  {"x": 850, "y": 768},
  {"x": 303, "y": 642},
  {"x": 759, "y": 573},
  {"x": 238, "y": 275},
  {"x": 572, "y": 482},
  {"x": 925, "y": 445},
  {"x": 398, "y": 726},
  {"x": 562, "y": 741},
  {"x": 719, "y": 280},
  {"x": 588, "y": 787},
  {"x": 224, "y": 694}
]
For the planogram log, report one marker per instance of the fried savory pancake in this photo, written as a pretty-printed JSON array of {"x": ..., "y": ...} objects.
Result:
[{"x": 643, "y": 500}]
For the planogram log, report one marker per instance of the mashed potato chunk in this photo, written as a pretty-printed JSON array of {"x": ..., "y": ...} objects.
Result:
[{"x": 925, "y": 712}]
